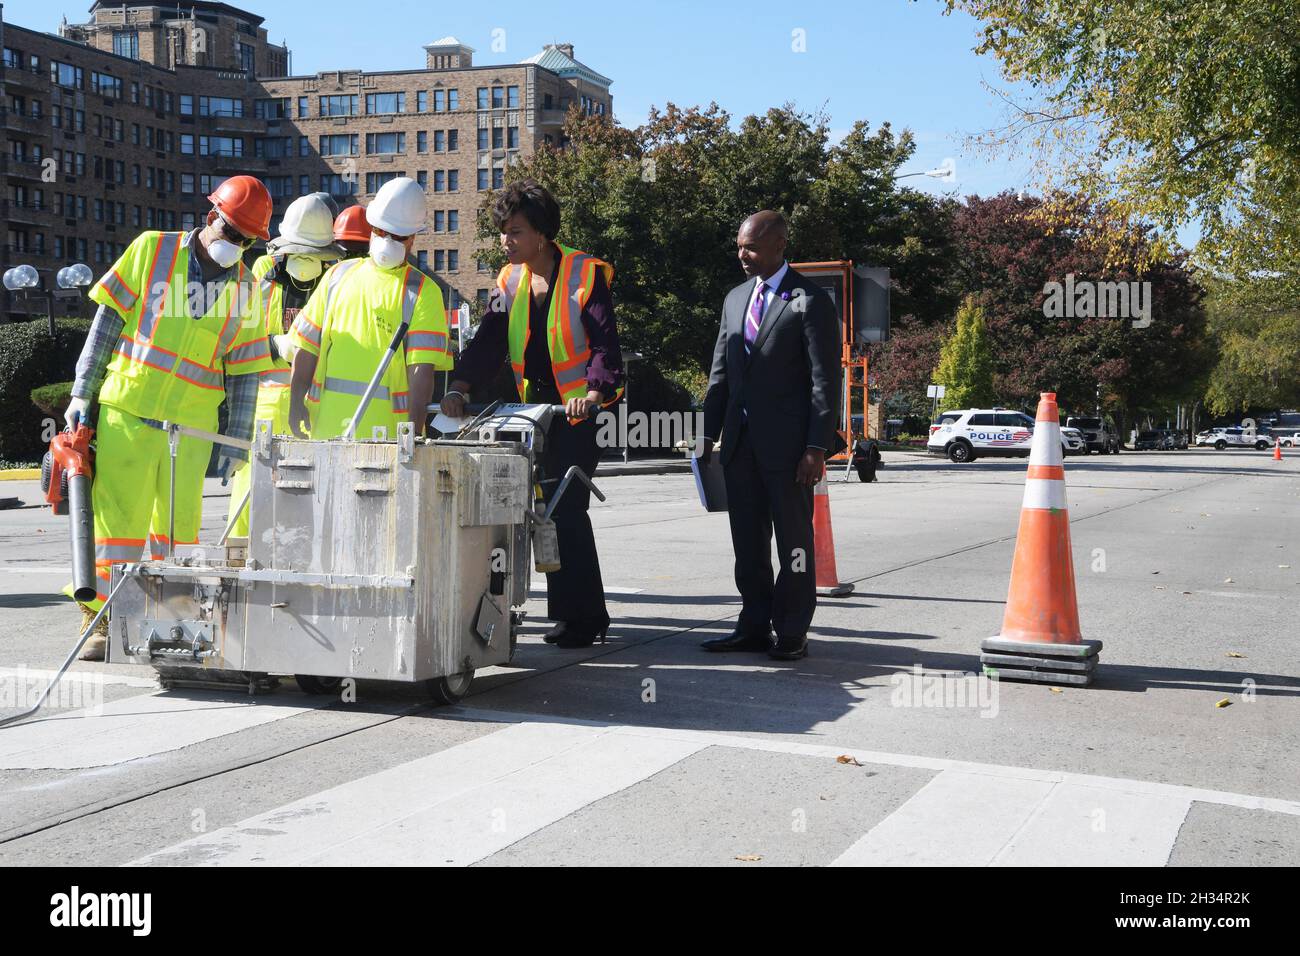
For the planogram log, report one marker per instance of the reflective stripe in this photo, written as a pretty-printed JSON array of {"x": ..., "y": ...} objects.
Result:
[
  {"x": 275, "y": 378},
  {"x": 426, "y": 340},
  {"x": 1044, "y": 493},
  {"x": 118, "y": 551},
  {"x": 336, "y": 278},
  {"x": 304, "y": 327},
  {"x": 119, "y": 291},
  {"x": 145, "y": 354},
  {"x": 1056, "y": 472},
  {"x": 566, "y": 377},
  {"x": 197, "y": 374},
  {"x": 346, "y": 386},
  {"x": 313, "y": 392},
  {"x": 250, "y": 352},
  {"x": 160, "y": 274},
  {"x": 399, "y": 402},
  {"x": 1046, "y": 448},
  {"x": 415, "y": 280},
  {"x": 510, "y": 283}
]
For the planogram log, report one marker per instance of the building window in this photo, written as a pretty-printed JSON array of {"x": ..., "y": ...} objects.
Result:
[
  {"x": 422, "y": 259},
  {"x": 221, "y": 146},
  {"x": 512, "y": 97},
  {"x": 274, "y": 109},
  {"x": 439, "y": 101},
  {"x": 512, "y": 137},
  {"x": 337, "y": 185},
  {"x": 498, "y": 137},
  {"x": 304, "y": 184},
  {"x": 453, "y": 180},
  {"x": 187, "y": 104},
  {"x": 67, "y": 75},
  {"x": 126, "y": 44},
  {"x": 439, "y": 181},
  {"x": 453, "y": 100},
  {"x": 220, "y": 106},
  {"x": 482, "y": 179},
  {"x": 439, "y": 221},
  {"x": 385, "y": 143},
  {"x": 422, "y": 179},
  {"x": 375, "y": 180},
  {"x": 498, "y": 178},
  {"x": 498, "y": 97},
  {"x": 453, "y": 260},
  {"x": 339, "y": 144},
  {"x": 303, "y": 108},
  {"x": 187, "y": 183},
  {"x": 247, "y": 62},
  {"x": 421, "y": 142},
  {"x": 385, "y": 102},
  {"x": 13, "y": 59},
  {"x": 277, "y": 147},
  {"x": 338, "y": 106},
  {"x": 439, "y": 141},
  {"x": 453, "y": 220},
  {"x": 439, "y": 260},
  {"x": 304, "y": 146},
  {"x": 453, "y": 140},
  {"x": 482, "y": 97},
  {"x": 422, "y": 101},
  {"x": 482, "y": 137}
]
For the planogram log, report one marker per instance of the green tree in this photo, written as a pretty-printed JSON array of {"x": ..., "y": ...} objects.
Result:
[
  {"x": 966, "y": 360},
  {"x": 1255, "y": 326},
  {"x": 1177, "y": 110}
]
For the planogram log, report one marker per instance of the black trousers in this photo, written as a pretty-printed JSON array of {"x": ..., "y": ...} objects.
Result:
[
  {"x": 760, "y": 501},
  {"x": 575, "y": 592}
]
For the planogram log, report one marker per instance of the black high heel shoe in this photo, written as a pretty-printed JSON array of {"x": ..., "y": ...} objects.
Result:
[{"x": 577, "y": 633}]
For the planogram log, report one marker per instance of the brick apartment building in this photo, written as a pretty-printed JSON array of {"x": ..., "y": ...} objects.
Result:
[{"x": 129, "y": 121}]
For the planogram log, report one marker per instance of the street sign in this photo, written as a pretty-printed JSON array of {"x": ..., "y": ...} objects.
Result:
[{"x": 935, "y": 391}]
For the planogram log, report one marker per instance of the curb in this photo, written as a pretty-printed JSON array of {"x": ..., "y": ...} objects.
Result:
[{"x": 21, "y": 474}]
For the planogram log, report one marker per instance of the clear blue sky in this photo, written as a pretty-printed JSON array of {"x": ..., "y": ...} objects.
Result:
[{"x": 900, "y": 61}]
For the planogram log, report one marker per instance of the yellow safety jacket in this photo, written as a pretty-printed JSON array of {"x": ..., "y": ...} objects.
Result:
[
  {"x": 263, "y": 266},
  {"x": 348, "y": 324},
  {"x": 169, "y": 364},
  {"x": 566, "y": 337}
]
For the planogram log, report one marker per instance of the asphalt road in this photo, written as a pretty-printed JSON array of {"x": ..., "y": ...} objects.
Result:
[{"x": 646, "y": 750}]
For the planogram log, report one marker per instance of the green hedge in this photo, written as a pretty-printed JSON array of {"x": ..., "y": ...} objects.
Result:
[
  {"x": 53, "y": 399},
  {"x": 28, "y": 360}
]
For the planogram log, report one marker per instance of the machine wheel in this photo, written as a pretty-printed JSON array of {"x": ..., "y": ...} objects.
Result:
[
  {"x": 445, "y": 691},
  {"x": 960, "y": 451},
  {"x": 317, "y": 685},
  {"x": 1220, "y": 445},
  {"x": 1261, "y": 445}
]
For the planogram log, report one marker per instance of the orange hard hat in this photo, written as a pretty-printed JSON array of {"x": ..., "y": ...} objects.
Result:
[
  {"x": 246, "y": 204},
  {"x": 351, "y": 225}
]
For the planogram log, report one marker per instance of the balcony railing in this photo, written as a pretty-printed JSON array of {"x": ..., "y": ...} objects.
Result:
[
  {"x": 21, "y": 123},
  {"x": 30, "y": 212},
  {"x": 24, "y": 168},
  {"x": 27, "y": 79}
]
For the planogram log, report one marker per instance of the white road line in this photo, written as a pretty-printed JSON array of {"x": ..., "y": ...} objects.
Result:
[
  {"x": 136, "y": 727},
  {"x": 540, "y": 587},
  {"x": 457, "y": 806},
  {"x": 36, "y": 570}
]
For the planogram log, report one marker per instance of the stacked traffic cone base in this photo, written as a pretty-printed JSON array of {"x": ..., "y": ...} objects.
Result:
[
  {"x": 828, "y": 579},
  {"x": 1040, "y": 639}
]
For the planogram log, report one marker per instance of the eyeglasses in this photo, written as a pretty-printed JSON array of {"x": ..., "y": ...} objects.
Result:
[{"x": 231, "y": 234}]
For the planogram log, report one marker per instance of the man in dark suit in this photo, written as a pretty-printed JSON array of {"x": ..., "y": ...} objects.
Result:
[{"x": 773, "y": 395}]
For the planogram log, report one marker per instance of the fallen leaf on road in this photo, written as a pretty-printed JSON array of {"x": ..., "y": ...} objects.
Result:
[
  {"x": 1226, "y": 702},
  {"x": 1159, "y": 587},
  {"x": 1227, "y": 580},
  {"x": 1055, "y": 690},
  {"x": 1234, "y": 654},
  {"x": 849, "y": 759},
  {"x": 1187, "y": 592},
  {"x": 1155, "y": 572},
  {"x": 1284, "y": 565},
  {"x": 749, "y": 858}
]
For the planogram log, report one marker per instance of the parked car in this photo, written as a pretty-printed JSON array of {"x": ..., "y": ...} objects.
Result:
[
  {"x": 1072, "y": 441},
  {"x": 1175, "y": 438},
  {"x": 1149, "y": 441},
  {"x": 1235, "y": 437},
  {"x": 965, "y": 434},
  {"x": 1100, "y": 434}
]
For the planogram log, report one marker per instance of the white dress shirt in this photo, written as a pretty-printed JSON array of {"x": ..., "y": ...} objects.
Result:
[{"x": 773, "y": 283}]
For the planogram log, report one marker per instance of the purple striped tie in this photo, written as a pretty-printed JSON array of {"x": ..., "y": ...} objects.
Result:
[{"x": 755, "y": 318}]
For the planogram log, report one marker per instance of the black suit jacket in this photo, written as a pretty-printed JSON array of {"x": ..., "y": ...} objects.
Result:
[{"x": 788, "y": 386}]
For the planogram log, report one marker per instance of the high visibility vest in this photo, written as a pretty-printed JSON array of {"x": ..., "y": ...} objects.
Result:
[
  {"x": 566, "y": 337},
  {"x": 273, "y": 383},
  {"x": 168, "y": 364},
  {"x": 263, "y": 266},
  {"x": 348, "y": 323}
]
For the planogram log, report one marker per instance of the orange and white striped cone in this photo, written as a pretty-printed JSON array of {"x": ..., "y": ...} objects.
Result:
[
  {"x": 1040, "y": 638},
  {"x": 828, "y": 579},
  {"x": 1277, "y": 450}
]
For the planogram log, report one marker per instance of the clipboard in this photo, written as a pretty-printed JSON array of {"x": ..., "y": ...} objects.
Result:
[{"x": 709, "y": 482}]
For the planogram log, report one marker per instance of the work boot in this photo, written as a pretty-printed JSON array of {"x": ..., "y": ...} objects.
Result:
[{"x": 98, "y": 642}]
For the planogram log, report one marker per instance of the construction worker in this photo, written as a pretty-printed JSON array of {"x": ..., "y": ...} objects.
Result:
[
  {"x": 552, "y": 317},
  {"x": 267, "y": 263},
  {"x": 177, "y": 332},
  {"x": 296, "y": 260},
  {"x": 352, "y": 232},
  {"x": 348, "y": 323}
]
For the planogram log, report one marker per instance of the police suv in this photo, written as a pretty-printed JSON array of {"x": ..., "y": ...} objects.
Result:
[{"x": 966, "y": 434}]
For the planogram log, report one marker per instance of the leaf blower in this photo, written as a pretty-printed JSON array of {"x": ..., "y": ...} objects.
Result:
[{"x": 66, "y": 473}]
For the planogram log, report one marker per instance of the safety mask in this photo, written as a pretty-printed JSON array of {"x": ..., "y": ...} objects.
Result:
[
  {"x": 223, "y": 253},
  {"x": 303, "y": 268},
  {"x": 386, "y": 252}
]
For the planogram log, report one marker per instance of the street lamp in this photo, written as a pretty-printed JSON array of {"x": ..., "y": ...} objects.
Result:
[
  {"x": 947, "y": 172},
  {"x": 25, "y": 283}
]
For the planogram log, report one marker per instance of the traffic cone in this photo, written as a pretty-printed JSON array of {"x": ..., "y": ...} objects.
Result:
[
  {"x": 828, "y": 580},
  {"x": 1277, "y": 449},
  {"x": 1040, "y": 638}
]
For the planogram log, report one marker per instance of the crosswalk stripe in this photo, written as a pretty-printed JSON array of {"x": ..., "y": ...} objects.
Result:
[
  {"x": 972, "y": 819},
  {"x": 136, "y": 727},
  {"x": 457, "y": 806}
]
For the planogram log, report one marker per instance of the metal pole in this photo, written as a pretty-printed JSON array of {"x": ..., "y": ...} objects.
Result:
[
  {"x": 235, "y": 516},
  {"x": 373, "y": 387},
  {"x": 173, "y": 442}
]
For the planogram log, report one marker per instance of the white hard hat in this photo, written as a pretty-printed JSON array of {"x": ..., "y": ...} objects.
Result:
[
  {"x": 307, "y": 229},
  {"x": 398, "y": 207}
]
